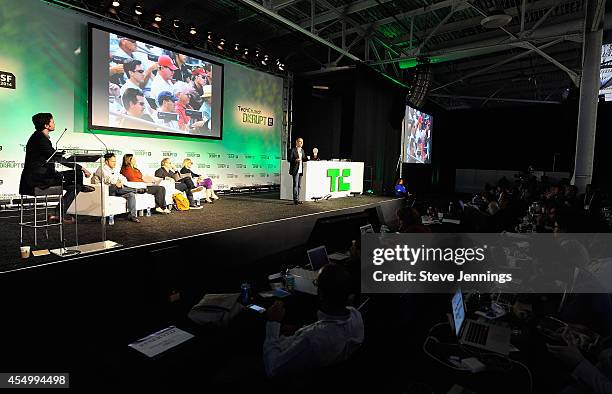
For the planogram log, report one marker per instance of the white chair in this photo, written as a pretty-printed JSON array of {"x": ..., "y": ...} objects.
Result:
[{"x": 90, "y": 204}]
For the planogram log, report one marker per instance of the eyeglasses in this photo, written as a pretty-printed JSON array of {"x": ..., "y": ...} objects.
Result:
[{"x": 139, "y": 71}]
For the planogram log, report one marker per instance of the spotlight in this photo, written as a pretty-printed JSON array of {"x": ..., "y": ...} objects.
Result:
[
  {"x": 176, "y": 23},
  {"x": 116, "y": 3},
  {"x": 192, "y": 31},
  {"x": 209, "y": 38},
  {"x": 138, "y": 10},
  {"x": 264, "y": 62},
  {"x": 256, "y": 53},
  {"x": 236, "y": 47},
  {"x": 155, "y": 25},
  {"x": 221, "y": 44},
  {"x": 281, "y": 67},
  {"x": 157, "y": 18}
]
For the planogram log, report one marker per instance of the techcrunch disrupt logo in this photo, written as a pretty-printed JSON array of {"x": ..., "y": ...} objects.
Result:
[
  {"x": 254, "y": 116},
  {"x": 413, "y": 255}
]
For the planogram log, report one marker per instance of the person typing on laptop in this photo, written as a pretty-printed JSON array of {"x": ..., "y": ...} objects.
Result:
[{"x": 330, "y": 340}]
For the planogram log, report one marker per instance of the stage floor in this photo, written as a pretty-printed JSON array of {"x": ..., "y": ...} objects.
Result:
[{"x": 231, "y": 212}]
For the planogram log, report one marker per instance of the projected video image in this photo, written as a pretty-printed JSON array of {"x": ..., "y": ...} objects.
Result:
[
  {"x": 606, "y": 72},
  {"x": 142, "y": 87},
  {"x": 417, "y": 136}
]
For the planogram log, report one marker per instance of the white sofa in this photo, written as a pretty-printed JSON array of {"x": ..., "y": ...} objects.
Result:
[{"x": 90, "y": 204}]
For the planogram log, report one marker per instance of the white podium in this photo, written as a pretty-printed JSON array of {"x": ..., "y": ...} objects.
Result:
[{"x": 322, "y": 178}]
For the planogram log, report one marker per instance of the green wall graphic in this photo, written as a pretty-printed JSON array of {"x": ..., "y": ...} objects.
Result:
[{"x": 45, "y": 47}]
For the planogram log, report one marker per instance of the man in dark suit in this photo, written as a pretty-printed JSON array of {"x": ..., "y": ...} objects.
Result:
[
  {"x": 296, "y": 159},
  {"x": 38, "y": 173}
]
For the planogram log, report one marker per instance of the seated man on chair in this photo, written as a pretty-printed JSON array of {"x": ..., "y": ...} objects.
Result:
[
  {"x": 108, "y": 175},
  {"x": 184, "y": 184},
  {"x": 332, "y": 339},
  {"x": 38, "y": 173}
]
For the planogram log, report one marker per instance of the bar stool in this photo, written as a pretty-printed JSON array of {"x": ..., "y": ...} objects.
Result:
[{"x": 51, "y": 191}]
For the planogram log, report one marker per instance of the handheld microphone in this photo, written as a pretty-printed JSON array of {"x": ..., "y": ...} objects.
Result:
[{"x": 102, "y": 142}]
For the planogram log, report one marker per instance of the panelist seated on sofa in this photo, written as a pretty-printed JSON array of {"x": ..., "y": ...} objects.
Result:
[
  {"x": 109, "y": 175},
  {"x": 133, "y": 174},
  {"x": 182, "y": 183}
]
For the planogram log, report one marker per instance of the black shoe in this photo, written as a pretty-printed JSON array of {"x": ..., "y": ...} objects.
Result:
[
  {"x": 141, "y": 191},
  {"x": 87, "y": 189},
  {"x": 133, "y": 219},
  {"x": 295, "y": 202}
]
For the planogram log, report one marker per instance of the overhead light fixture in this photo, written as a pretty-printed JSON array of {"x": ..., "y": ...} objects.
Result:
[
  {"x": 221, "y": 44},
  {"x": 138, "y": 10},
  {"x": 155, "y": 25},
  {"x": 281, "y": 67},
  {"x": 192, "y": 30},
  {"x": 176, "y": 23},
  {"x": 236, "y": 47},
  {"x": 497, "y": 19},
  {"x": 116, "y": 3},
  {"x": 209, "y": 37},
  {"x": 264, "y": 62},
  {"x": 157, "y": 18},
  {"x": 320, "y": 87}
]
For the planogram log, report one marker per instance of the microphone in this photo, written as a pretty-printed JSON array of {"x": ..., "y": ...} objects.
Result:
[
  {"x": 102, "y": 142},
  {"x": 61, "y": 135}
]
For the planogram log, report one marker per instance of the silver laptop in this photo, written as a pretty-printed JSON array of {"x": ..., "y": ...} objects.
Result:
[
  {"x": 477, "y": 334},
  {"x": 317, "y": 257},
  {"x": 366, "y": 229}
]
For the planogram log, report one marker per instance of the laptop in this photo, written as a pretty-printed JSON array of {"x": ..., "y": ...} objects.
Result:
[
  {"x": 481, "y": 335},
  {"x": 317, "y": 257},
  {"x": 366, "y": 229}
]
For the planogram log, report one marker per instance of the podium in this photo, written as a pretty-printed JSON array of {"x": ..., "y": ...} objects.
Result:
[
  {"x": 71, "y": 160},
  {"x": 324, "y": 179}
]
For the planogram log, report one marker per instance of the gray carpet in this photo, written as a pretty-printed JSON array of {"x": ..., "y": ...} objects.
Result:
[{"x": 229, "y": 212}]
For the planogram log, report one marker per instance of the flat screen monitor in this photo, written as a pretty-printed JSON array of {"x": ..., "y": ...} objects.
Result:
[
  {"x": 605, "y": 73},
  {"x": 417, "y": 136},
  {"x": 140, "y": 86},
  {"x": 317, "y": 257}
]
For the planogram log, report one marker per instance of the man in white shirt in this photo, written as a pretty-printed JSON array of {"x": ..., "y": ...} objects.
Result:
[
  {"x": 115, "y": 181},
  {"x": 163, "y": 80},
  {"x": 330, "y": 340}
]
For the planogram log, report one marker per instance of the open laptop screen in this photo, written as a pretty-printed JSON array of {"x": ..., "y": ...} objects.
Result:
[
  {"x": 458, "y": 311},
  {"x": 317, "y": 257}
]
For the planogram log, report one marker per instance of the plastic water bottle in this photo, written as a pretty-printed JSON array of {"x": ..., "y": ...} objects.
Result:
[
  {"x": 149, "y": 211},
  {"x": 111, "y": 220},
  {"x": 245, "y": 293},
  {"x": 289, "y": 281}
]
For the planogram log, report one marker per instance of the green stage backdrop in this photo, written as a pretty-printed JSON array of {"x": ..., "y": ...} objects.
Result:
[{"x": 44, "y": 57}]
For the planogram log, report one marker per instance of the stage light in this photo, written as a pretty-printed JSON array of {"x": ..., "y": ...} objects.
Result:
[
  {"x": 138, "y": 10},
  {"x": 236, "y": 47},
  {"x": 176, "y": 23},
  {"x": 209, "y": 38},
  {"x": 116, "y": 3},
  {"x": 155, "y": 25},
  {"x": 264, "y": 62},
  {"x": 157, "y": 18},
  {"x": 193, "y": 31},
  {"x": 281, "y": 67},
  {"x": 221, "y": 44}
]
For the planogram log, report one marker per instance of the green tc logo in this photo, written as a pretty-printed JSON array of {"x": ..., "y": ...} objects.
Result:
[{"x": 335, "y": 178}]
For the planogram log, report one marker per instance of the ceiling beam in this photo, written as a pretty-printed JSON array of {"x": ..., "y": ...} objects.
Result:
[
  {"x": 330, "y": 15},
  {"x": 287, "y": 23},
  {"x": 501, "y": 99}
]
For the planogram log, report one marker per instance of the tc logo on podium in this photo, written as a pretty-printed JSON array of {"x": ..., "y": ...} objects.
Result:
[{"x": 337, "y": 179}]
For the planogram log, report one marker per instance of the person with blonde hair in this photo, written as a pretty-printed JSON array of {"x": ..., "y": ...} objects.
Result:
[
  {"x": 200, "y": 180},
  {"x": 181, "y": 183},
  {"x": 133, "y": 174}
]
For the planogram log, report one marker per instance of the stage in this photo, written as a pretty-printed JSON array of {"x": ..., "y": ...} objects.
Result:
[{"x": 260, "y": 223}]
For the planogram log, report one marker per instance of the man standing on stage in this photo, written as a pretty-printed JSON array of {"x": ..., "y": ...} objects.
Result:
[
  {"x": 296, "y": 159},
  {"x": 37, "y": 172}
]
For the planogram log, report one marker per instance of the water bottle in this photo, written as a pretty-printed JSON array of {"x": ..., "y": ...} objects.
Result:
[
  {"x": 149, "y": 211},
  {"x": 289, "y": 281},
  {"x": 245, "y": 293},
  {"x": 111, "y": 220}
]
